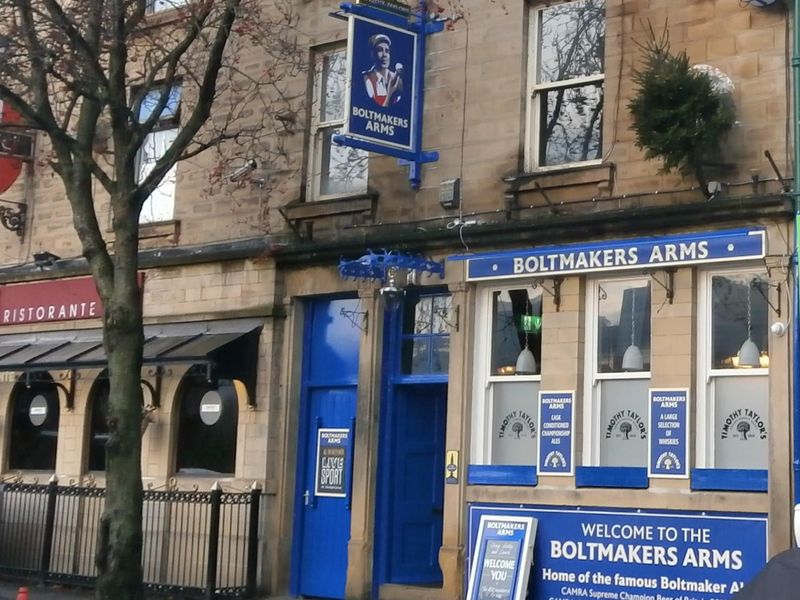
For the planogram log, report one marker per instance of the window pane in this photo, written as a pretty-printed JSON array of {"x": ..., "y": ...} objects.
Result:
[
  {"x": 333, "y": 86},
  {"x": 739, "y": 312},
  {"x": 416, "y": 355},
  {"x": 571, "y": 125},
  {"x": 571, "y": 40},
  {"x": 443, "y": 318},
  {"x": 741, "y": 435},
  {"x": 159, "y": 5},
  {"x": 516, "y": 324},
  {"x": 623, "y": 326},
  {"x": 159, "y": 206},
  {"x": 515, "y": 410},
  {"x": 344, "y": 169},
  {"x": 623, "y": 423},
  {"x": 440, "y": 354},
  {"x": 151, "y": 100},
  {"x": 418, "y": 316}
]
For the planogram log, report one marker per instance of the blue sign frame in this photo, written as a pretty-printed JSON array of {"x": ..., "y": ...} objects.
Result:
[
  {"x": 579, "y": 550},
  {"x": 668, "y": 450},
  {"x": 390, "y": 121},
  {"x": 556, "y": 433},
  {"x": 503, "y": 558},
  {"x": 636, "y": 253}
]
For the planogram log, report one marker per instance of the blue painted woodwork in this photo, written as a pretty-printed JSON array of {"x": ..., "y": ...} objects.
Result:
[
  {"x": 328, "y": 399},
  {"x": 408, "y": 523},
  {"x": 734, "y": 480},
  {"x": 416, "y": 498},
  {"x": 612, "y": 477},
  {"x": 501, "y": 475}
]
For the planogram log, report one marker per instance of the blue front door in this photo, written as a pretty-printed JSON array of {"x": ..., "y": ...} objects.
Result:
[
  {"x": 325, "y": 448},
  {"x": 417, "y": 485},
  {"x": 412, "y": 441}
]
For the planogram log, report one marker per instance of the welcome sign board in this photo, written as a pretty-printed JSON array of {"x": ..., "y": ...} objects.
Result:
[
  {"x": 626, "y": 553},
  {"x": 502, "y": 559}
]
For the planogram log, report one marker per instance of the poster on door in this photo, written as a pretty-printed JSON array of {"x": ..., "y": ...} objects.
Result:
[{"x": 333, "y": 456}]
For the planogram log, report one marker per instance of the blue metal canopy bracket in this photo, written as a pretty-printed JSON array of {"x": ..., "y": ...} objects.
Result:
[
  {"x": 420, "y": 23},
  {"x": 376, "y": 265}
]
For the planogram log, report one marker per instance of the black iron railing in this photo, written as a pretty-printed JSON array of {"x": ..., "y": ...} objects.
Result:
[{"x": 202, "y": 544}]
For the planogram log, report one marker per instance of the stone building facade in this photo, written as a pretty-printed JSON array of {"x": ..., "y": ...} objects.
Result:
[{"x": 566, "y": 242}]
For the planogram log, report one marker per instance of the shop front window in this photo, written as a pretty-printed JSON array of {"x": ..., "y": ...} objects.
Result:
[
  {"x": 34, "y": 424},
  {"x": 736, "y": 370},
  {"x": 508, "y": 364},
  {"x": 208, "y": 416},
  {"x": 98, "y": 434},
  {"x": 620, "y": 372}
]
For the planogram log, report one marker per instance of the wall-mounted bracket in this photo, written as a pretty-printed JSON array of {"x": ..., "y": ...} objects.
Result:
[
  {"x": 555, "y": 293},
  {"x": 69, "y": 389},
  {"x": 155, "y": 390},
  {"x": 357, "y": 318},
  {"x": 757, "y": 284},
  {"x": 13, "y": 219},
  {"x": 668, "y": 284}
]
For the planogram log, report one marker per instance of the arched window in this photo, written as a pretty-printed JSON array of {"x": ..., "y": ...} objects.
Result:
[
  {"x": 98, "y": 432},
  {"x": 208, "y": 415},
  {"x": 34, "y": 424}
]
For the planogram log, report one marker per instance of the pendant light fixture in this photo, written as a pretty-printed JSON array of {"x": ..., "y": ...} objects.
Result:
[
  {"x": 526, "y": 361},
  {"x": 632, "y": 359},
  {"x": 749, "y": 354}
]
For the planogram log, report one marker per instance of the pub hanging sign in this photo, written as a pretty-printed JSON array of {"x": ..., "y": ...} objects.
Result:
[{"x": 385, "y": 71}]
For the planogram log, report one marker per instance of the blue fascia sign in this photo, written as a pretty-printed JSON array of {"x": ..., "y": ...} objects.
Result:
[
  {"x": 669, "y": 433},
  {"x": 556, "y": 437},
  {"x": 627, "y": 553},
  {"x": 635, "y": 253},
  {"x": 385, "y": 70}
]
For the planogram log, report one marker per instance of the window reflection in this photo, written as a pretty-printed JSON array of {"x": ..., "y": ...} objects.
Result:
[
  {"x": 426, "y": 335},
  {"x": 739, "y": 311},
  {"x": 569, "y": 82},
  {"x": 516, "y": 324},
  {"x": 623, "y": 309}
]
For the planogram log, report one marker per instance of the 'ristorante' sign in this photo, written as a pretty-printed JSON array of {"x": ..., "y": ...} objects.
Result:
[{"x": 43, "y": 301}]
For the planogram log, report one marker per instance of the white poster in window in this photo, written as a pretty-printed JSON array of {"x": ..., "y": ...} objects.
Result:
[
  {"x": 514, "y": 423},
  {"x": 623, "y": 422},
  {"x": 741, "y": 425}
]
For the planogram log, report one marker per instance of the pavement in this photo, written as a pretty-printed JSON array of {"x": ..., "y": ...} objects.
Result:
[{"x": 10, "y": 588}]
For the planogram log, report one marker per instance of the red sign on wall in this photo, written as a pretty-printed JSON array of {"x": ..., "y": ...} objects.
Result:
[{"x": 43, "y": 301}]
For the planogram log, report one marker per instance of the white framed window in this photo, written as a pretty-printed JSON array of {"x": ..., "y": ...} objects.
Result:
[
  {"x": 160, "y": 205},
  {"x": 508, "y": 361},
  {"x": 618, "y": 372},
  {"x": 565, "y": 84},
  {"x": 334, "y": 170},
  {"x": 733, "y": 370},
  {"x": 154, "y": 6}
]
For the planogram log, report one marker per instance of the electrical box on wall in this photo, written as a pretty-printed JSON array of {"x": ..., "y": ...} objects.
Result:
[{"x": 450, "y": 193}]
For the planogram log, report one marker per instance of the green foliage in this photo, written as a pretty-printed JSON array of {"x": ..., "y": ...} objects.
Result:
[{"x": 677, "y": 114}]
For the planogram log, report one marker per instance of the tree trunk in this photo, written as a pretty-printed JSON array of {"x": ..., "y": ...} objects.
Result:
[{"x": 119, "y": 557}]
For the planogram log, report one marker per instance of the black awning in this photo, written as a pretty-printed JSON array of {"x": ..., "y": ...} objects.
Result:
[{"x": 175, "y": 343}]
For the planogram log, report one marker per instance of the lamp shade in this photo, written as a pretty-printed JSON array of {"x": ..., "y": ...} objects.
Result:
[
  {"x": 526, "y": 362},
  {"x": 632, "y": 359},
  {"x": 749, "y": 354}
]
